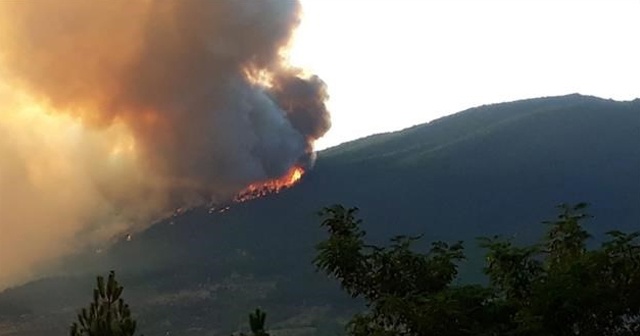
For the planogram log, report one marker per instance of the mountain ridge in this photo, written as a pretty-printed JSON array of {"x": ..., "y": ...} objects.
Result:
[
  {"x": 493, "y": 169},
  {"x": 572, "y": 99}
]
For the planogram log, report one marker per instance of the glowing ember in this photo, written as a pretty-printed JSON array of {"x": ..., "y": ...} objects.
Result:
[{"x": 274, "y": 186}]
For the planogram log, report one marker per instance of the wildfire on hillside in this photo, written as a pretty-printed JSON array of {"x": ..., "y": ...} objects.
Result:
[
  {"x": 151, "y": 110},
  {"x": 274, "y": 186}
]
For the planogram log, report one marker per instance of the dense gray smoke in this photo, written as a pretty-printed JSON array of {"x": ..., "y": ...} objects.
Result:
[{"x": 162, "y": 104}]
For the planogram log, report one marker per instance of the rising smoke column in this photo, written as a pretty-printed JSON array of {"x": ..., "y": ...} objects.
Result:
[{"x": 133, "y": 108}]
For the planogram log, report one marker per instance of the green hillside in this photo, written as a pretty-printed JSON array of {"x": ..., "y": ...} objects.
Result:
[{"x": 495, "y": 169}]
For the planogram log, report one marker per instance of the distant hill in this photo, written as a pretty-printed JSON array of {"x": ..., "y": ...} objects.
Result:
[{"x": 495, "y": 169}]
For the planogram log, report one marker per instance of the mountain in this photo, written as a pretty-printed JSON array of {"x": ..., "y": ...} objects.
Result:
[{"x": 494, "y": 169}]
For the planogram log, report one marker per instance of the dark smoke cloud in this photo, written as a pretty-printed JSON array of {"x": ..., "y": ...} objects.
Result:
[
  {"x": 176, "y": 73},
  {"x": 179, "y": 77}
]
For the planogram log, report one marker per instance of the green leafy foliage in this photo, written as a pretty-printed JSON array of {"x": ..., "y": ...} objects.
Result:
[
  {"x": 407, "y": 293},
  {"x": 107, "y": 315},
  {"x": 555, "y": 287},
  {"x": 560, "y": 287}
]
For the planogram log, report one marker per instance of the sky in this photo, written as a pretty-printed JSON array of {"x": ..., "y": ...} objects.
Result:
[{"x": 393, "y": 64}]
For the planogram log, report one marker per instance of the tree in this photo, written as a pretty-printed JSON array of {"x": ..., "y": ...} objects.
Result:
[
  {"x": 560, "y": 287},
  {"x": 257, "y": 322},
  {"x": 107, "y": 315},
  {"x": 555, "y": 287},
  {"x": 407, "y": 293}
]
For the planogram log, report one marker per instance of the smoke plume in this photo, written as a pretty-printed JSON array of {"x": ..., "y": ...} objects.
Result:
[{"x": 115, "y": 112}]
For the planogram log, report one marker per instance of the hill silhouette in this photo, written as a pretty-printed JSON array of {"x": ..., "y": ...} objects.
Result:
[{"x": 494, "y": 169}]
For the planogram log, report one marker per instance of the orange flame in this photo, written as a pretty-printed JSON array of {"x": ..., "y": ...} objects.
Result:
[{"x": 274, "y": 186}]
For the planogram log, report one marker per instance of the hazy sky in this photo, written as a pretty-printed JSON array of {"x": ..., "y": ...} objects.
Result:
[{"x": 392, "y": 64}]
